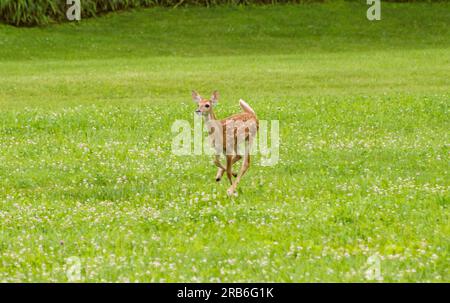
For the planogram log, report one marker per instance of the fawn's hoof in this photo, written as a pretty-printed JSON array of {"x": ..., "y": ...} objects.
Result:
[
  {"x": 231, "y": 192},
  {"x": 234, "y": 175},
  {"x": 217, "y": 179}
]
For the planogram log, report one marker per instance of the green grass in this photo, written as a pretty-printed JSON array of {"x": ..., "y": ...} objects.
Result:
[{"x": 86, "y": 167}]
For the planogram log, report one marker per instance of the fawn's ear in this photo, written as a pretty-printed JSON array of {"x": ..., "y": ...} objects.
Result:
[
  {"x": 196, "y": 97},
  {"x": 215, "y": 97}
]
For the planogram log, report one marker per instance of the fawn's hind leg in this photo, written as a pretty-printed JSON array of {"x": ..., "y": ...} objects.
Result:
[
  {"x": 245, "y": 165},
  {"x": 244, "y": 168},
  {"x": 229, "y": 167}
]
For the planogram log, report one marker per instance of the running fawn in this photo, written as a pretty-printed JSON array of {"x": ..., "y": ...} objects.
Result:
[{"x": 227, "y": 135}]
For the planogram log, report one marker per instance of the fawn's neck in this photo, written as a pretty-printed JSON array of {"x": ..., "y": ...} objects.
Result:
[{"x": 210, "y": 117}]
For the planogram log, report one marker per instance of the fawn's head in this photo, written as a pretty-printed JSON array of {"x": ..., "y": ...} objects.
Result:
[{"x": 204, "y": 106}]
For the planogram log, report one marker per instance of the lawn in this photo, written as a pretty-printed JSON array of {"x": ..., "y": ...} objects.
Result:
[{"x": 362, "y": 184}]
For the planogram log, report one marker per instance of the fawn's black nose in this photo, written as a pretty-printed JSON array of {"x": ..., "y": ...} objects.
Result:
[{"x": 198, "y": 112}]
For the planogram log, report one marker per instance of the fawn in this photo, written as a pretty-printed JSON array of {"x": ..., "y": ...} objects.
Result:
[{"x": 226, "y": 136}]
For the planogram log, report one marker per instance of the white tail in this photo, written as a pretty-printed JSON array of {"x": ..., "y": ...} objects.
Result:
[{"x": 246, "y": 108}]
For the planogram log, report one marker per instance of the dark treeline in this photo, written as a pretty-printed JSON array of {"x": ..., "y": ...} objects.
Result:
[{"x": 41, "y": 12}]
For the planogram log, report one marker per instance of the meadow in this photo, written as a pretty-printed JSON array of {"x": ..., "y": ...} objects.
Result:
[{"x": 361, "y": 187}]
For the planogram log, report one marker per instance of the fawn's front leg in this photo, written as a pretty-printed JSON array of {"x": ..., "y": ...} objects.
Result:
[{"x": 221, "y": 170}]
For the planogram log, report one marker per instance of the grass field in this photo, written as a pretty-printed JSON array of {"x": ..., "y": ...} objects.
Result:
[{"x": 86, "y": 168}]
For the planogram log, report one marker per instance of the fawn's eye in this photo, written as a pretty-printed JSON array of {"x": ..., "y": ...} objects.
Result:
[{"x": 206, "y": 105}]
